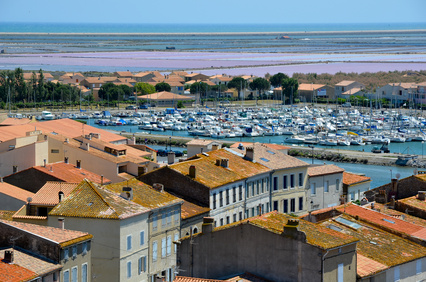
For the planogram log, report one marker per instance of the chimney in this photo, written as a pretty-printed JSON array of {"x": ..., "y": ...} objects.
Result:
[
  {"x": 61, "y": 221},
  {"x": 372, "y": 206},
  {"x": 291, "y": 228},
  {"x": 44, "y": 162},
  {"x": 102, "y": 180},
  {"x": 158, "y": 186},
  {"x": 67, "y": 140},
  {"x": 207, "y": 226},
  {"x": 171, "y": 157},
  {"x": 8, "y": 256},
  {"x": 218, "y": 162},
  {"x": 392, "y": 202},
  {"x": 394, "y": 185},
  {"x": 421, "y": 195},
  {"x": 78, "y": 164},
  {"x": 192, "y": 171},
  {"x": 61, "y": 196},
  {"x": 249, "y": 154},
  {"x": 127, "y": 193},
  {"x": 224, "y": 163},
  {"x": 66, "y": 160}
]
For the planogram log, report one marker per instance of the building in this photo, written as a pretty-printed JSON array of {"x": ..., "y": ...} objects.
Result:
[
  {"x": 68, "y": 249},
  {"x": 324, "y": 186},
  {"x": 288, "y": 179},
  {"x": 232, "y": 186},
  {"x": 309, "y": 92},
  {"x": 415, "y": 205},
  {"x": 346, "y": 88},
  {"x": 166, "y": 99},
  {"x": 192, "y": 218},
  {"x": 354, "y": 186},
  {"x": 196, "y": 76},
  {"x": 273, "y": 246},
  {"x": 12, "y": 197},
  {"x": 278, "y": 147},
  {"x": 397, "y": 93},
  {"x": 198, "y": 146}
]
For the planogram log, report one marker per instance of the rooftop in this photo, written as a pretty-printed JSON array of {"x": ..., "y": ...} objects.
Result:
[
  {"x": 14, "y": 192},
  {"x": 63, "y": 237},
  {"x": 310, "y": 86},
  {"x": 164, "y": 95},
  {"x": 189, "y": 210},
  {"x": 201, "y": 142},
  {"x": 414, "y": 202},
  {"x": 87, "y": 200},
  {"x": 15, "y": 272},
  {"x": 352, "y": 179},
  {"x": 269, "y": 145},
  {"x": 324, "y": 170},
  {"x": 48, "y": 195},
  {"x": 345, "y": 83}
]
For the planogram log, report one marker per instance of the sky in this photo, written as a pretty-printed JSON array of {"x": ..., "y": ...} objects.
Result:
[{"x": 217, "y": 11}]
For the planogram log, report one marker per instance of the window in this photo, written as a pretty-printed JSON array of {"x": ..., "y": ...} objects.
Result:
[
  {"x": 247, "y": 191},
  {"x": 66, "y": 254},
  {"x": 227, "y": 196},
  {"x": 214, "y": 201},
  {"x": 163, "y": 219},
  {"x": 240, "y": 216},
  {"x": 293, "y": 205},
  {"x": 326, "y": 186},
  {"x": 129, "y": 242},
  {"x": 234, "y": 194},
  {"x": 263, "y": 186},
  {"x": 240, "y": 197},
  {"x": 292, "y": 181},
  {"x": 67, "y": 276},
  {"x": 234, "y": 217},
  {"x": 252, "y": 211},
  {"x": 154, "y": 223},
  {"x": 300, "y": 203},
  {"x": 141, "y": 265},
  {"x": 340, "y": 272},
  {"x": 285, "y": 182},
  {"x": 84, "y": 252},
  {"x": 352, "y": 196},
  {"x": 54, "y": 151},
  {"x": 169, "y": 218},
  {"x": 419, "y": 266},
  {"x": 74, "y": 252},
  {"x": 169, "y": 245},
  {"x": 163, "y": 247},
  {"x": 275, "y": 183},
  {"x": 74, "y": 274},
  {"x": 313, "y": 189},
  {"x": 154, "y": 251},
  {"x": 142, "y": 238},
  {"x": 337, "y": 184},
  {"x": 301, "y": 179},
  {"x": 257, "y": 187},
  {"x": 252, "y": 188},
  {"x": 129, "y": 269},
  {"x": 84, "y": 273},
  {"x": 221, "y": 221},
  {"x": 396, "y": 273},
  {"x": 227, "y": 220},
  {"x": 285, "y": 206},
  {"x": 275, "y": 205},
  {"x": 267, "y": 184},
  {"x": 221, "y": 198},
  {"x": 176, "y": 238}
]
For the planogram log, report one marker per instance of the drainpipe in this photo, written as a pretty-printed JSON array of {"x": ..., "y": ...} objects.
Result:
[
  {"x": 245, "y": 199},
  {"x": 322, "y": 265}
]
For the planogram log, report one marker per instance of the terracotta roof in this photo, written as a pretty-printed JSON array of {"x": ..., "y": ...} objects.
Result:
[
  {"x": 352, "y": 91},
  {"x": 89, "y": 201},
  {"x": 189, "y": 210},
  {"x": 124, "y": 73},
  {"x": 193, "y": 279},
  {"x": 324, "y": 170},
  {"x": 414, "y": 201},
  {"x": 345, "y": 83},
  {"x": 69, "y": 173},
  {"x": 164, "y": 95},
  {"x": 383, "y": 221},
  {"x": 309, "y": 86},
  {"x": 316, "y": 235},
  {"x": 351, "y": 178},
  {"x": 17, "y": 121},
  {"x": 100, "y": 79},
  {"x": 15, "y": 192},
  {"x": 48, "y": 195},
  {"x": 366, "y": 267},
  {"x": 406, "y": 85},
  {"x": 212, "y": 175},
  {"x": 63, "y": 237},
  {"x": 144, "y": 195},
  {"x": 179, "y": 73},
  {"x": 272, "y": 158},
  {"x": 376, "y": 244},
  {"x": 397, "y": 214},
  {"x": 269, "y": 145},
  {"x": 7, "y": 215},
  {"x": 14, "y": 272},
  {"x": 202, "y": 142},
  {"x": 247, "y": 277}
]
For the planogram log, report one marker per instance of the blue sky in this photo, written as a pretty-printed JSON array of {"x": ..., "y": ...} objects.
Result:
[{"x": 218, "y": 11}]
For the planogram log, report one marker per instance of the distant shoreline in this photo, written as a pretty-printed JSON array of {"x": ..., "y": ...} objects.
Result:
[{"x": 217, "y": 33}]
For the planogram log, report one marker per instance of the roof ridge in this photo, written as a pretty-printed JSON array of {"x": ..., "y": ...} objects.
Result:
[{"x": 102, "y": 198}]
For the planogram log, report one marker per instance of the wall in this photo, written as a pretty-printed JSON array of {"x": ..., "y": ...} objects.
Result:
[
  {"x": 10, "y": 203},
  {"x": 345, "y": 255},
  {"x": 322, "y": 199},
  {"x": 77, "y": 261},
  {"x": 357, "y": 191},
  {"x": 248, "y": 248},
  {"x": 105, "y": 246}
]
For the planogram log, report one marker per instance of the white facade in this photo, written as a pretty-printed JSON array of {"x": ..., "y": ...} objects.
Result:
[{"x": 324, "y": 191}]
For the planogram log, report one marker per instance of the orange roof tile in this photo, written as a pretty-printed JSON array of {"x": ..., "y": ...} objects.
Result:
[
  {"x": 13, "y": 272},
  {"x": 414, "y": 201},
  {"x": 164, "y": 95},
  {"x": 309, "y": 86},
  {"x": 63, "y": 237},
  {"x": 189, "y": 210},
  {"x": 324, "y": 170},
  {"x": 367, "y": 267},
  {"x": 15, "y": 192},
  {"x": 345, "y": 83},
  {"x": 48, "y": 195},
  {"x": 269, "y": 145},
  {"x": 16, "y": 121},
  {"x": 69, "y": 173},
  {"x": 202, "y": 142},
  {"x": 400, "y": 215},
  {"x": 7, "y": 215},
  {"x": 351, "y": 178},
  {"x": 247, "y": 277},
  {"x": 193, "y": 279}
]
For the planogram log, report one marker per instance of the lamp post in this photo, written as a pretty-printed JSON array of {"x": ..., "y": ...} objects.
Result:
[
  {"x": 391, "y": 173},
  {"x": 422, "y": 148},
  {"x": 312, "y": 155}
]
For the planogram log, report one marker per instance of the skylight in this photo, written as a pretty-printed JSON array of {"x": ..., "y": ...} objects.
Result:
[
  {"x": 348, "y": 223},
  {"x": 335, "y": 228},
  {"x": 265, "y": 160},
  {"x": 270, "y": 152},
  {"x": 390, "y": 221}
]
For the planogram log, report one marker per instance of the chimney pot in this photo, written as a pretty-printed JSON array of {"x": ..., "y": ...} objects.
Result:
[
  {"x": 192, "y": 171},
  {"x": 61, "y": 221},
  {"x": 421, "y": 195},
  {"x": 8, "y": 256},
  {"x": 207, "y": 226}
]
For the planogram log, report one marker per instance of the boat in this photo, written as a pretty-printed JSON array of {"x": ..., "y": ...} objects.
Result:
[{"x": 45, "y": 115}]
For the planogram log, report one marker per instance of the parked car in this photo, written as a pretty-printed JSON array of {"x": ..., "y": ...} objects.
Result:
[
  {"x": 346, "y": 105},
  {"x": 144, "y": 106},
  {"x": 131, "y": 107}
]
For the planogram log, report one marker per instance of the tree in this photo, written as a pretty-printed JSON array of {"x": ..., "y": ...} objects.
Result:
[
  {"x": 290, "y": 87},
  {"x": 162, "y": 86},
  {"x": 276, "y": 79},
  {"x": 200, "y": 87},
  {"x": 238, "y": 83},
  {"x": 144, "y": 88},
  {"x": 260, "y": 84}
]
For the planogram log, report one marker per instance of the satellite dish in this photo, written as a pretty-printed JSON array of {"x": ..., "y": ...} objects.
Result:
[
  {"x": 397, "y": 175},
  {"x": 29, "y": 199}
]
